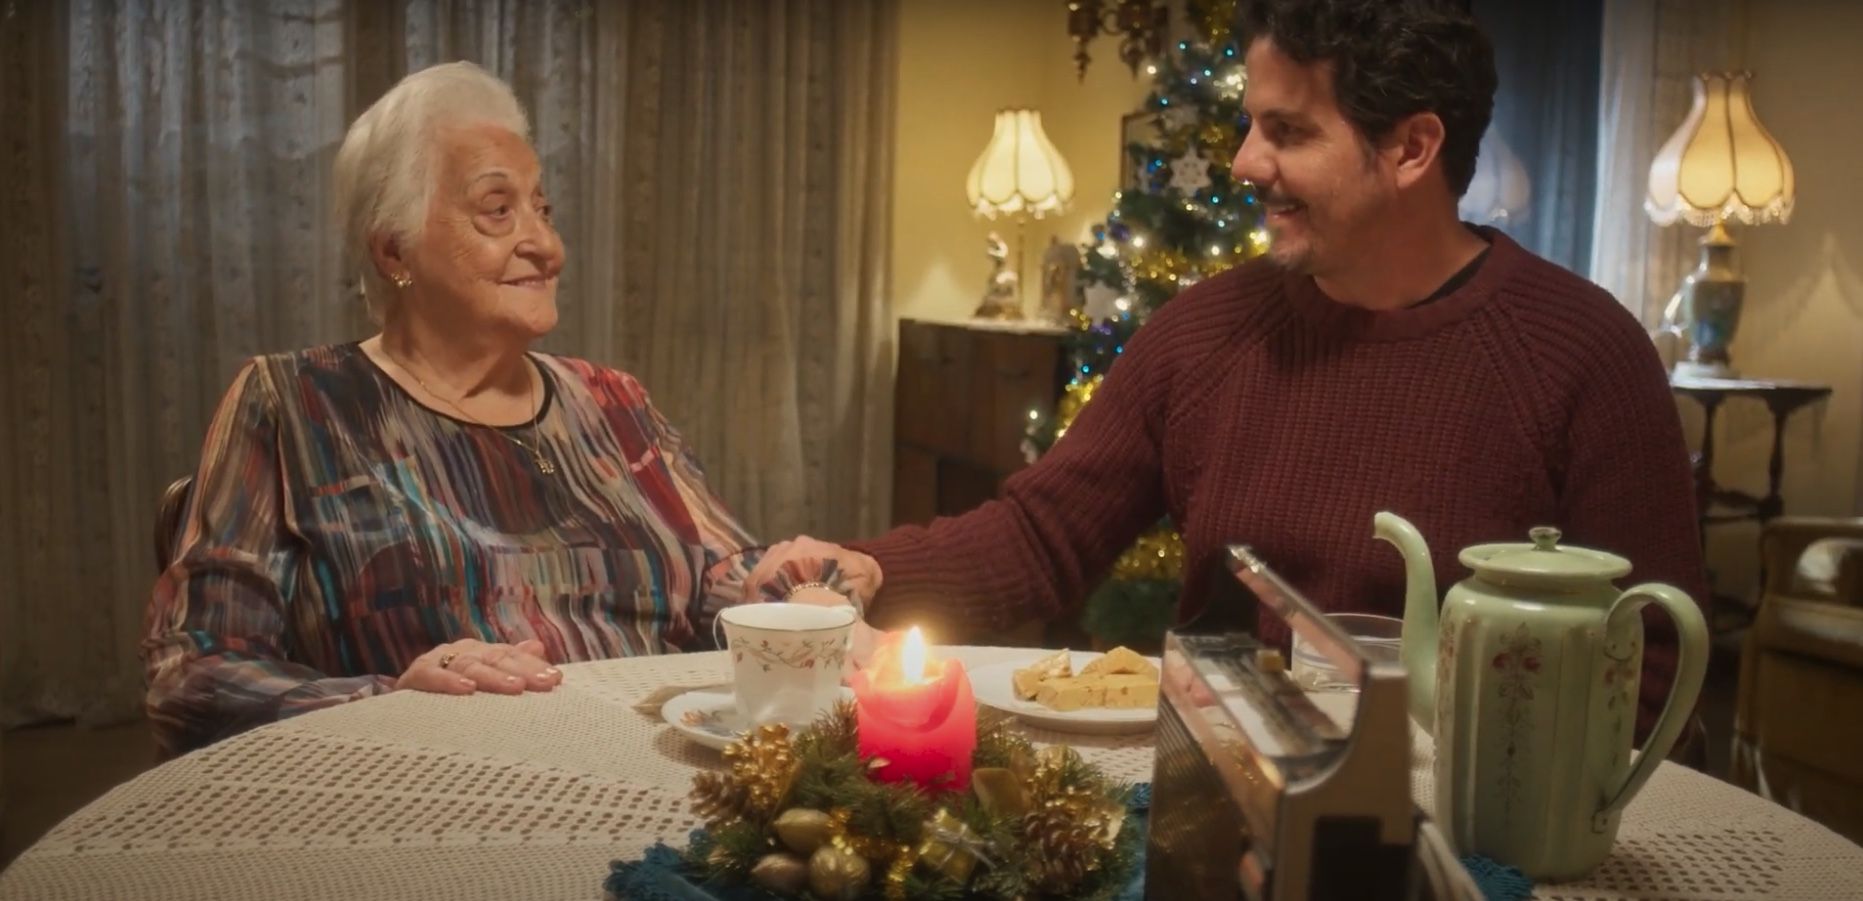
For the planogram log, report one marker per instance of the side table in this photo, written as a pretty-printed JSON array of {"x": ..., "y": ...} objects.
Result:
[{"x": 1719, "y": 505}]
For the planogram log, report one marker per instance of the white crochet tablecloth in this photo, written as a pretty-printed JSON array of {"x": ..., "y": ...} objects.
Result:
[{"x": 419, "y": 796}]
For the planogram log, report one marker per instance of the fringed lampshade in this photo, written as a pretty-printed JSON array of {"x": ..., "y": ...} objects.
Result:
[
  {"x": 1720, "y": 165},
  {"x": 1020, "y": 172},
  {"x": 1019, "y": 175}
]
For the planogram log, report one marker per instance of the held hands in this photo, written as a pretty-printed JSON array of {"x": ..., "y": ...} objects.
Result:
[
  {"x": 812, "y": 559},
  {"x": 861, "y": 642},
  {"x": 856, "y": 571},
  {"x": 463, "y": 667}
]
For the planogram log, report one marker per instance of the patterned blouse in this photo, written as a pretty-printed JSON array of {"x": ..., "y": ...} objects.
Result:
[{"x": 338, "y": 529}]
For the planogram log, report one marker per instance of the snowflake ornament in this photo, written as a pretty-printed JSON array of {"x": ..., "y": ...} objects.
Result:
[
  {"x": 1102, "y": 302},
  {"x": 1190, "y": 173}
]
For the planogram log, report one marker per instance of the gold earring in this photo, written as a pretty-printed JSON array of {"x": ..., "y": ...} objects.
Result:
[{"x": 402, "y": 280}]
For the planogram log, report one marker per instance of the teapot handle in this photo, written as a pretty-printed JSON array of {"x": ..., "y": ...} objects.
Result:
[{"x": 1691, "y": 667}]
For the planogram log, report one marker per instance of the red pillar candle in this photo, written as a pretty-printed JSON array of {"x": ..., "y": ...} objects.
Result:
[{"x": 917, "y": 715}]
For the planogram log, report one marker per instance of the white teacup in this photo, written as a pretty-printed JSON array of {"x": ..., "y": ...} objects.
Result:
[{"x": 786, "y": 659}]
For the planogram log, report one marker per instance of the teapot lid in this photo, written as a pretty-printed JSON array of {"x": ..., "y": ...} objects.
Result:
[{"x": 1543, "y": 562}]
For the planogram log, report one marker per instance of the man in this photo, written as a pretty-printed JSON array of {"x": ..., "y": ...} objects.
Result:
[{"x": 1384, "y": 356}]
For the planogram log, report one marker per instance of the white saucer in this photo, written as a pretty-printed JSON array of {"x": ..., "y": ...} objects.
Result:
[
  {"x": 709, "y": 716},
  {"x": 995, "y": 687}
]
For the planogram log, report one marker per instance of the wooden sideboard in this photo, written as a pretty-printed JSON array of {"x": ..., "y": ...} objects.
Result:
[{"x": 964, "y": 393}]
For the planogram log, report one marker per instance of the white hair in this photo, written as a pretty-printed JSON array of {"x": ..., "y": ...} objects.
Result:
[{"x": 384, "y": 176}]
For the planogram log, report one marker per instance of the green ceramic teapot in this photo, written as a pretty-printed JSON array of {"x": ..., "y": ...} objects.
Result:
[{"x": 1527, "y": 680}]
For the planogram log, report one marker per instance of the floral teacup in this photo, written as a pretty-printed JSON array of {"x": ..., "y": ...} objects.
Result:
[{"x": 786, "y": 659}]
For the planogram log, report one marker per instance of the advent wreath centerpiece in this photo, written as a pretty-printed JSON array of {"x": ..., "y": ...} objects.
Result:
[{"x": 833, "y": 812}]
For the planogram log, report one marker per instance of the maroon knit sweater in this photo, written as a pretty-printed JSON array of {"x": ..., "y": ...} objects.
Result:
[{"x": 1254, "y": 409}]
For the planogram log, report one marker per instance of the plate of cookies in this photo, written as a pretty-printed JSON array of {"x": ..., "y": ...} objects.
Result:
[{"x": 1074, "y": 691}]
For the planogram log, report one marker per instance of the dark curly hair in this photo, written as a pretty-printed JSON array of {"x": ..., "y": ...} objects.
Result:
[{"x": 1391, "y": 59}]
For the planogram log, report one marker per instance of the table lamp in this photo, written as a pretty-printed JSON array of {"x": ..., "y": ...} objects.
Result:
[
  {"x": 1720, "y": 165},
  {"x": 1019, "y": 175}
]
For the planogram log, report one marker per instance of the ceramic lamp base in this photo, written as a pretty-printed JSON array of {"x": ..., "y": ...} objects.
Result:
[{"x": 1713, "y": 295}]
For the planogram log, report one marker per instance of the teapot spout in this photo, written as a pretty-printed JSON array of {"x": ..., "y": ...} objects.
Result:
[{"x": 1420, "y": 613}]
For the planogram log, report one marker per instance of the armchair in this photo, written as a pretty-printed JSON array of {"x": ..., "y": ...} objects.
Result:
[{"x": 1798, "y": 721}]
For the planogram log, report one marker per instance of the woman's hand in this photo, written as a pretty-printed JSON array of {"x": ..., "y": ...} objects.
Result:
[{"x": 463, "y": 667}]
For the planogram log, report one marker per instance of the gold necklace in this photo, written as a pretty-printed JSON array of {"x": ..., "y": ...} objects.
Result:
[{"x": 537, "y": 458}]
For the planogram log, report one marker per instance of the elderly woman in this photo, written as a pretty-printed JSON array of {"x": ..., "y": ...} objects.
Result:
[{"x": 437, "y": 508}]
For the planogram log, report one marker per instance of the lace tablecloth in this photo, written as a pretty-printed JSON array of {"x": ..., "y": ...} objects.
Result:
[{"x": 419, "y": 796}]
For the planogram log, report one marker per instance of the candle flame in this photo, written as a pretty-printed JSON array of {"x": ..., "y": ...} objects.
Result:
[{"x": 912, "y": 657}]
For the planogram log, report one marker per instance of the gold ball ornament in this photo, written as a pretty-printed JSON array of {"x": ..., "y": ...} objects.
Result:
[
  {"x": 897, "y": 856},
  {"x": 784, "y": 874},
  {"x": 836, "y": 874},
  {"x": 803, "y": 830}
]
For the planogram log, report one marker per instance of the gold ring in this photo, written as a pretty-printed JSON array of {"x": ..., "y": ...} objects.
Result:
[{"x": 447, "y": 658}]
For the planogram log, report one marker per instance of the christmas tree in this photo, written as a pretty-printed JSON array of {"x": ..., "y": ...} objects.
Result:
[{"x": 1183, "y": 218}]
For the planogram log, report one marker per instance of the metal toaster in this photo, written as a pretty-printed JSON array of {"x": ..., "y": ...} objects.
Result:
[{"x": 1258, "y": 794}]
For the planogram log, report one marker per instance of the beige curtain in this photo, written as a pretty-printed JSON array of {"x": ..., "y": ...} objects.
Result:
[
  {"x": 722, "y": 168},
  {"x": 1652, "y": 49}
]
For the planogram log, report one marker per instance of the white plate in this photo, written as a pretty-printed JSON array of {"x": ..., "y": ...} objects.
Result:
[
  {"x": 709, "y": 716},
  {"x": 995, "y": 686}
]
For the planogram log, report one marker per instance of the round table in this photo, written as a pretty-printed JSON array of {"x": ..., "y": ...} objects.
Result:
[{"x": 421, "y": 796}]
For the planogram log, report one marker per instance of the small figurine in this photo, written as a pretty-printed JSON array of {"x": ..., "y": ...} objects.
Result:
[
  {"x": 1060, "y": 268},
  {"x": 1001, "y": 300}
]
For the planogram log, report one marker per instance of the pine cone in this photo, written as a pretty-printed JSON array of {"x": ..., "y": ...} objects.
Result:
[
  {"x": 717, "y": 798},
  {"x": 1064, "y": 851},
  {"x": 763, "y": 765}
]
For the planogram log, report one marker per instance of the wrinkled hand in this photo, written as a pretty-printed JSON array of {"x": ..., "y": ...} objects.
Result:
[
  {"x": 473, "y": 665},
  {"x": 857, "y": 571}
]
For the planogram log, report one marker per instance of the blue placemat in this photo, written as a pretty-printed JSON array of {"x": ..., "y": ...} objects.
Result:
[
  {"x": 1498, "y": 881},
  {"x": 661, "y": 874}
]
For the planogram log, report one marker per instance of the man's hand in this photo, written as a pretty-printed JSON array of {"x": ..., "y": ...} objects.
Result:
[{"x": 463, "y": 667}]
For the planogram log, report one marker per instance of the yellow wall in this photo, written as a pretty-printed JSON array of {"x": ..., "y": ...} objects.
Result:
[
  {"x": 959, "y": 62},
  {"x": 1804, "y": 310}
]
